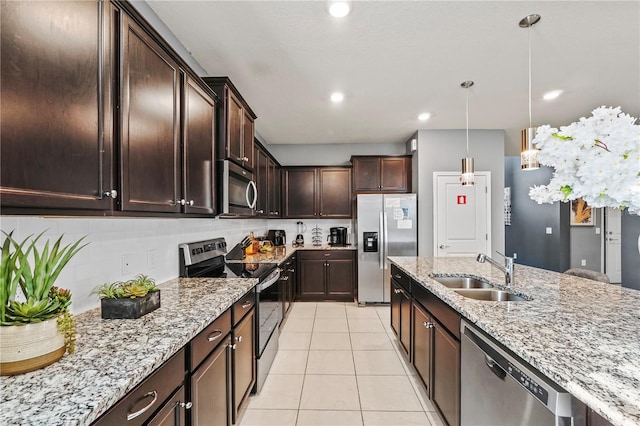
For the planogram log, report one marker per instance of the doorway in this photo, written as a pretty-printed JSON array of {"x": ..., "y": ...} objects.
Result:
[
  {"x": 461, "y": 215},
  {"x": 612, "y": 244}
]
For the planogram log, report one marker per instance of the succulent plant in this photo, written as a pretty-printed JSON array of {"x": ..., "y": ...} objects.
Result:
[{"x": 137, "y": 287}]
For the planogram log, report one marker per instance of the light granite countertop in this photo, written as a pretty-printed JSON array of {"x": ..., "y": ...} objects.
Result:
[
  {"x": 582, "y": 334},
  {"x": 113, "y": 356},
  {"x": 281, "y": 253}
]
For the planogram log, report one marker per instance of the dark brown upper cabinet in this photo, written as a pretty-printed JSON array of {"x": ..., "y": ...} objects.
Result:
[
  {"x": 150, "y": 117},
  {"x": 262, "y": 182},
  {"x": 374, "y": 174},
  {"x": 273, "y": 173},
  {"x": 198, "y": 124},
  {"x": 55, "y": 106},
  {"x": 235, "y": 124},
  {"x": 317, "y": 192}
]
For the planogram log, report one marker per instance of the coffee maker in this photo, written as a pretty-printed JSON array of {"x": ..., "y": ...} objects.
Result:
[
  {"x": 277, "y": 236},
  {"x": 337, "y": 236}
]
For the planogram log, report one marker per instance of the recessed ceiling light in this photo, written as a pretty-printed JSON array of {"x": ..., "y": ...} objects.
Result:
[
  {"x": 339, "y": 9},
  {"x": 552, "y": 94},
  {"x": 337, "y": 97},
  {"x": 424, "y": 116}
]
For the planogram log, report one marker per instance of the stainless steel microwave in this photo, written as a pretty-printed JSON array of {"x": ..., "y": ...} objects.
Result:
[{"x": 239, "y": 192}]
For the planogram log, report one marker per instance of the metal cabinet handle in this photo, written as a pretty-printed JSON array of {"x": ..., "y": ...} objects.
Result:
[
  {"x": 397, "y": 291},
  {"x": 154, "y": 395},
  {"x": 428, "y": 324},
  {"x": 110, "y": 194},
  {"x": 215, "y": 335},
  {"x": 185, "y": 405},
  {"x": 327, "y": 254},
  {"x": 233, "y": 347},
  {"x": 284, "y": 278},
  {"x": 260, "y": 211},
  {"x": 246, "y": 304},
  {"x": 397, "y": 276},
  {"x": 238, "y": 339}
]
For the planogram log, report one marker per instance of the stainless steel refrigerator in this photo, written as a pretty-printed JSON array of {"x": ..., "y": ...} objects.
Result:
[{"x": 385, "y": 225}]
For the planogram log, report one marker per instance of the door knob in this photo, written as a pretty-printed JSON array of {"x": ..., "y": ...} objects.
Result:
[{"x": 442, "y": 246}]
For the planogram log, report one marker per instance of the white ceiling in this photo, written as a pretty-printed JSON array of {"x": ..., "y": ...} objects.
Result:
[{"x": 395, "y": 59}]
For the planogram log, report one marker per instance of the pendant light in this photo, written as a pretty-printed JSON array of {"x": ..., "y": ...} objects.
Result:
[
  {"x": 528, "y": 151},
  {"x": 467, "y": 177}
]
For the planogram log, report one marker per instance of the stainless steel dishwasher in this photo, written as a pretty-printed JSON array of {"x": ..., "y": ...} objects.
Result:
[{"x": 497, "y": 388}]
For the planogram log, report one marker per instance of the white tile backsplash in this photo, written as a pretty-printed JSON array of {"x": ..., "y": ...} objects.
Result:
[{"x": 138, "y": 238}]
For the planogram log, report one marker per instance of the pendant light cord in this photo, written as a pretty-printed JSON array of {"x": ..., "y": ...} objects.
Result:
[
  {"x": 467, "y": 110},
  {"x": 529, "y": 41}
]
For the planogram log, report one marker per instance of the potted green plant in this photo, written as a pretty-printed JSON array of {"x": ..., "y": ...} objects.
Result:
[
  {"x": 128, "y": 299},
  {"x": 36, "y": 327}
]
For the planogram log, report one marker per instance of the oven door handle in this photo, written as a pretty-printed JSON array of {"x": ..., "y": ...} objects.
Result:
[{"x": 269, "y": 281}]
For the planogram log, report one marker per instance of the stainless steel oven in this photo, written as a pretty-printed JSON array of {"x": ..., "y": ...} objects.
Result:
[{"x": 239, "y": 192}]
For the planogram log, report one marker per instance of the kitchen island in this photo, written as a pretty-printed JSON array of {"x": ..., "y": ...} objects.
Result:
[
  {"x": 113, "y": 356},
  {"x": 581, "y": 334}
]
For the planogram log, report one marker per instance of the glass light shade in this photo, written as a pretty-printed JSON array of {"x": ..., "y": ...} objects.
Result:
[
  {"x": 467, "y": 176},
  {"x": 528, "y": 151}
]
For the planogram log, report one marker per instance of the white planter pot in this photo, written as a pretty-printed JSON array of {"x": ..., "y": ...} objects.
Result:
[{"x": 29, "y": 347}]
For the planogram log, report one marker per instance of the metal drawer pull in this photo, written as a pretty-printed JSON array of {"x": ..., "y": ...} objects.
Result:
[
  {"x": 428, "y": 324},
  {"x": 233, "y": 346},
  {"x": 397, "y": 290},
  {"x": 154, "y": 394},
  {"x": 246, "y": 304},
  {"x": 397, "y": 276},
  {"x": 238, "y": 339},
  {"x": 285, "y": 278},
  {"x": 215, "y": 335},
  {"x": 185, "y": 405},
  {"x": 327, "y": 254}
]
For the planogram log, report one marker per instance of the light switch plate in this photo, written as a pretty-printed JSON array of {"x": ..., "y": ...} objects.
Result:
[
  {"x": 583, "y": 262},
  {"x": 597, "y": 231},
  {"x": 549, "y": 230}
]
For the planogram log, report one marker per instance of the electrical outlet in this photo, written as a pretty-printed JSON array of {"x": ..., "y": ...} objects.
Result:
[
  {"x": 127, "y": 264},
  {"x": 583, "y": 262},
  {"x": 597, "y": 231},
  {"x": 515, "y": 255},
  {"x": 151, "y": 259},
  {"x": 549, "y": 230}
]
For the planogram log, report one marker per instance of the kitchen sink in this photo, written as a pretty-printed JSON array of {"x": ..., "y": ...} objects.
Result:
[
  {"x": 463, "y": 282},
  {"x": 491, "y": 295}
]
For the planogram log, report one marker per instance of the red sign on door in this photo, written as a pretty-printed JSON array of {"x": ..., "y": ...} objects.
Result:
[{"x": 462, "y": 199}]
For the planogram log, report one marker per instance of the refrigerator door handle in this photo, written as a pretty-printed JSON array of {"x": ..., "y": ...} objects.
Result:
[
  {"x": 386, "y": 241},
  {"x": 382, "y": 240}
]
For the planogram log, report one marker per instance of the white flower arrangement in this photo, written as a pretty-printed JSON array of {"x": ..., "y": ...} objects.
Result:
[{"x": 596, "y": 158}]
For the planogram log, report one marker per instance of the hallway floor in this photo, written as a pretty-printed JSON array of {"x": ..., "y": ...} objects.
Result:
[{"x": 338, "y": 364}]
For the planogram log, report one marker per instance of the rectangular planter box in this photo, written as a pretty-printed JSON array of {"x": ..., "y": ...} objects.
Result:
[{"x": 130, "y": 308}]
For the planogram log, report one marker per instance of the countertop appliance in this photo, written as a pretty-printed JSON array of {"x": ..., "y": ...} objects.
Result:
[
  {"x": 385, "y": 225},
  {"x": 277, "y": 236},
  {"x": 500, "y": 389},
  {"x": 207, "y": 259},
  {"x": 239, "y": 192},
  {"x": 337, "y": 236}
]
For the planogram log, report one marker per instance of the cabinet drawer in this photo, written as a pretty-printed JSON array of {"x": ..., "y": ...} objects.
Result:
[
  {"x": 243, "y": 306},
  {"x": 209, "y": 338},
  {"x": 448, "y": 317},
  {"x": 400, "y": 277},
  {"x": 326, "y": 254},
  {"x": 144, "y": 400}
]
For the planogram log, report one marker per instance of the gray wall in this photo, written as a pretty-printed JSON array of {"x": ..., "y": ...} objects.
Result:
[
  {"x": 526, "y": 237},
  {"x": 442, "y": 151},
  {"x": 327, "y": 154},
  {"x": 630, "y": 251},
  {"x": 587, "y": 245}
]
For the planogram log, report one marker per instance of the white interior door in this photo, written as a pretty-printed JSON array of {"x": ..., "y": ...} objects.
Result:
[
  {"x": 461, "y": 215},
  {"x": 613, "y": 249}
]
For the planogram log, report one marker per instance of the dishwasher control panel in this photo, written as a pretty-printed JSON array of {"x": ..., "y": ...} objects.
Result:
[{"x": 530, "y": 384}]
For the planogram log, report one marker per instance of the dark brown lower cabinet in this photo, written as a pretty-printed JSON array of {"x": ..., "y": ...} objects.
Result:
[
  {"x": 401, "y": 315},
  {"x": 173, "y": 412},
  {"x": 326, "y": 275},
  {"x": 210, "y": 389},
  {"x": 445, "y": 392},
  {"x": 422, "y": 346},
  {"x": 243, "y": 362}
]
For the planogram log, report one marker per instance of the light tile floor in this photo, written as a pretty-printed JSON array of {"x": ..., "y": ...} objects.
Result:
[{"x": 339, "y": 364}]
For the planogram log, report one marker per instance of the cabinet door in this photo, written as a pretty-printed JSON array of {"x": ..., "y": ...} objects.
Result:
[
  {"x": 312, "y": 281},
  {"x": 395, "y": 299},
  {"x": 210, "y": 389},
  {"x": 445, "y": 392},
  {"x": 339, "y": 278},
  {"x": 172, "y": 412},
  {"x": 244, "y": 363},
  {"x": 366, "y": 174},
  {"x": 274, "y": 189},
  {"x": 335, "y": 192},
  {"x": 247, "y": 140},
  {"x": 421, "y": 345},
  {"x": 198, "y": 146},
  {"x": 150, "y": 124},
  {"x": 262, "y": 180},
  {"x": 394, "y": 174},
  {"x": 300, "y": 192},
  {"x": 405, "y": 321},
  {"x": 56, "y": 144},
  {"x": 234, "y": 142}
]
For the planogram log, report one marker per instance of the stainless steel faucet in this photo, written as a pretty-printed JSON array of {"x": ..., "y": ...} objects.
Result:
[{"x": 507, "y": 268}]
